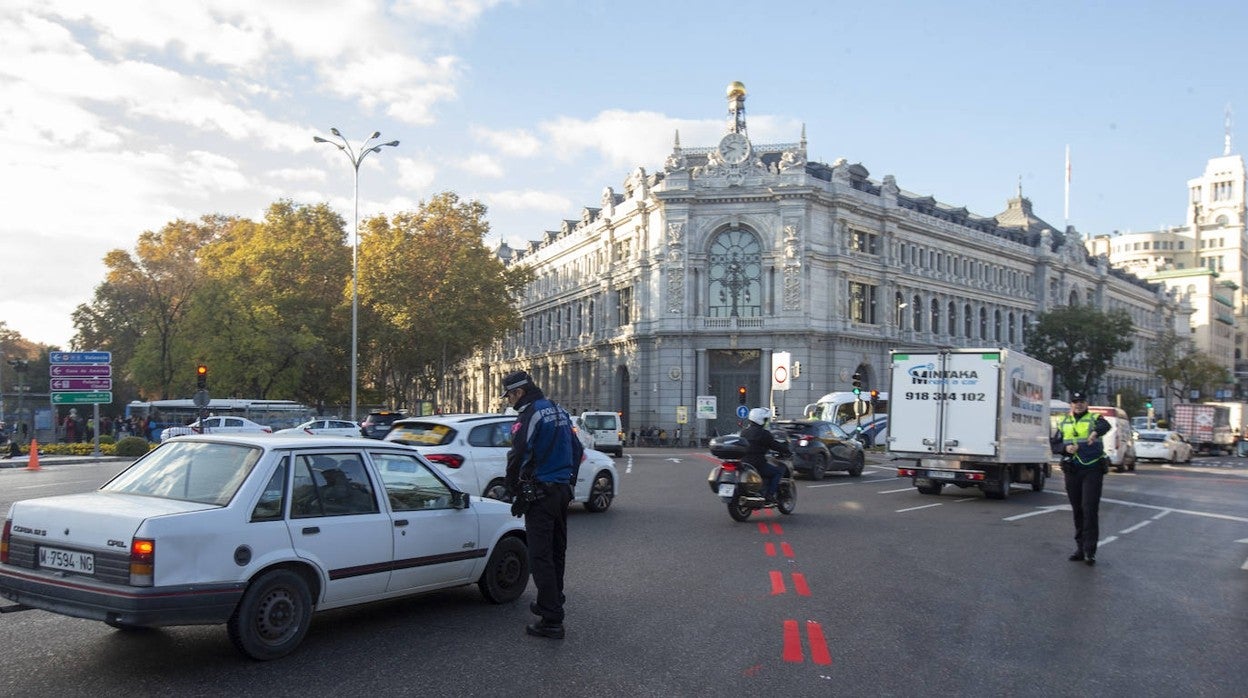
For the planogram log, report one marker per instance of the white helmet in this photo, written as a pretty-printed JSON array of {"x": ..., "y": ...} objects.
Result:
[{"x": 759, "y": 415}]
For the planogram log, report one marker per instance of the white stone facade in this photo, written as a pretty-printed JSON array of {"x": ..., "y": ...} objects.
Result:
[{"x": 685, "y": 282}]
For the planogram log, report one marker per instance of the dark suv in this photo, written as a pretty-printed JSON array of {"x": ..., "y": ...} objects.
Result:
[
  {"x": 819, "y": 446},
  {"x": 377, "y": 424}
]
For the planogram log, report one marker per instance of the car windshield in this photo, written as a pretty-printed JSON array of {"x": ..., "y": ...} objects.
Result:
[
  {"x": 193, "y": 471},
  {"x": 421, "y": 434}
]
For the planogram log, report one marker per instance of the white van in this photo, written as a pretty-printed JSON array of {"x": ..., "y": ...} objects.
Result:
[
  {"x": 606, "y": 429},
  {"x": 1120, "y": 441}
]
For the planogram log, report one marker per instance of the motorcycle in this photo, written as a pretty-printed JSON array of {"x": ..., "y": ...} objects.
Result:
[{"x": 739, "y": 484}]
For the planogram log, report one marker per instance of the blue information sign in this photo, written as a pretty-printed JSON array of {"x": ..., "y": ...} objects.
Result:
[
  {"x": 80, "y": 357},
  {"x": 743, "y": 411}
]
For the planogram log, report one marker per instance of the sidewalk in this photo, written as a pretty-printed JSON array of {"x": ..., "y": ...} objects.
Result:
[{"x": 24, "y": 461}]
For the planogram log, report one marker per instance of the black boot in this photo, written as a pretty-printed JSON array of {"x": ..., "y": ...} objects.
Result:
[{"x": 544, "y": 628}]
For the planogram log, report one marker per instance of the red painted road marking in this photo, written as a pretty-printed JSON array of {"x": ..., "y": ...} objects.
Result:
[
  {"x": 792, "y": 642},
  {"x": 762, "y": 528},
  {"x": 776, "y": 529},
  {"x": 777, "y": 583},
  {"x": 818, "y": 645},
  {"x": 770, "y": 549},
  {"x": 786, "y": 549},
  {"x": 799, "y": 584}
]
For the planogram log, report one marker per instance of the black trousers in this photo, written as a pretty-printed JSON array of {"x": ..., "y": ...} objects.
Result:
[
  {"x": 546, "y": 524},
  {"x": 1083, "y": 489}
]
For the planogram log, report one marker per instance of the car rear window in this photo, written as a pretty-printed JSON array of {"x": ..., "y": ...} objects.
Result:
[
  {"x": 1152, "y": 437},
  {"x": 193, "y": 471},
  {"x": 421, "y": 434},
  {"x": 600, "y": 421}
]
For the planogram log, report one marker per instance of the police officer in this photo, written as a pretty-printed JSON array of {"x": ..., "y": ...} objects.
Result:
[
  {"x": 761, "y": 440},
  {"x": 1078, "y": 440},
  {"x": 541, "y": 470}
]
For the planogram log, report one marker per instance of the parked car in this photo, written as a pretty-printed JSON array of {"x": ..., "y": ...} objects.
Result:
[
  {"x": 324, "y": 427},
  {"x": 819, "y": 446},
  {"x": 605, "y": 430},
  {"x": 377, "y": 424},
  {"x": 258, "y": 533},
  {"x": 472, "y": 451},
  {"x": 216, "y": 425},
  {"x": 1162, "y": 444}
]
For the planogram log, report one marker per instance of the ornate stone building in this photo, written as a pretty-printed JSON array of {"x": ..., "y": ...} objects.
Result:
[{"x": 686, "y": 281}]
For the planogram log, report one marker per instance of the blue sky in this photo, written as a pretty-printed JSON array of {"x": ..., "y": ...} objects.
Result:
[{"x": 118, "y": 117}]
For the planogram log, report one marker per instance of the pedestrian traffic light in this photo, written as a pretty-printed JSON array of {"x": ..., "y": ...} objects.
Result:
[
  {"x": 857, "y": 383},
  {"x": 201, "y": 377}
]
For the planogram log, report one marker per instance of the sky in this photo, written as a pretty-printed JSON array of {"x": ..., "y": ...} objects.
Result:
[{"x": 118, "y": 117}]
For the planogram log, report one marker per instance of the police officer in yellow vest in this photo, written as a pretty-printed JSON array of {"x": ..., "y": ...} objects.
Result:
[{"x": 1078, "y": 440}]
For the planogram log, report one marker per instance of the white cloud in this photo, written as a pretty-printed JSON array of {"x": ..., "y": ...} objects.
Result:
[
  {"x": 516, "y": 142},
  {"x": 528, "y": 199},
  {"x": 452, "y": 13},
  {"x": 415, "y": 175},
  {"x": 481, "y": 165}
]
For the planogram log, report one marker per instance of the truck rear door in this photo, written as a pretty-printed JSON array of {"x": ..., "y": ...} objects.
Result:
[{"x": 945, "y": 403}]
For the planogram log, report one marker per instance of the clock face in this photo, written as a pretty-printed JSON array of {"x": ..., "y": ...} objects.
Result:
[{"x": 734, "y": 148}]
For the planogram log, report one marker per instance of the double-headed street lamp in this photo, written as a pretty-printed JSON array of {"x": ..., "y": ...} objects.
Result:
[{"x": 356, "y": 157}]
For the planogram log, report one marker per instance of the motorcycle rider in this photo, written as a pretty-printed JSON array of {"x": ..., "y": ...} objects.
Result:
[{"x": 760, "y": 440}]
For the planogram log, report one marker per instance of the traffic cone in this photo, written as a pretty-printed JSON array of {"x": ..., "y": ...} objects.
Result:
[{"x": 33, "y": 464}]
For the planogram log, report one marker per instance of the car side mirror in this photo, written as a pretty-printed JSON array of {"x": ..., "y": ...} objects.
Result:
[{"x": 459, "y": 500}]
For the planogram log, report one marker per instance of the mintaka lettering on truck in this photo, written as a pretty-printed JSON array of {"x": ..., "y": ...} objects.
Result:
[
  {"x": 930, "y": 375},
  {"x": 1028, "y": 401}
]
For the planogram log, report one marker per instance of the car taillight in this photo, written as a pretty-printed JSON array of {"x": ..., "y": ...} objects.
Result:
[
  {"x": 268, "y": 430},
  {"x": 4, "y": 541},
  {"x": 142, "y": 562},
  {"x": 450, "y": 460}
]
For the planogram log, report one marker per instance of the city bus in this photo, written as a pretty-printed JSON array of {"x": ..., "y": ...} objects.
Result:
[
  {"x": 862, "y": 417},
  {"x": 279, "y": 414}
]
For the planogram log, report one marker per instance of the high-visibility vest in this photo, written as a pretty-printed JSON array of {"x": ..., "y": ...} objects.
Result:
[{"x": 1076, "y": 430}]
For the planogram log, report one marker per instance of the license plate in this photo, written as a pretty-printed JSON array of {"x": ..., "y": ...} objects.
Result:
[
  {"x": 727, "y": 490},
  {"x": 943, "y": 475},
  {"x": 56, "y": 559}
]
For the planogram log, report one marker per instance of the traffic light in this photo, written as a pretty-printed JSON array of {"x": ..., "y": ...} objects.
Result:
[
  {"x": 875, "y": 394},
  {"x": 1148, "y": 405},
  {"x": 857, "y": 383},
  {"x": 741, "y": 394},
  {"x": 201, "y": 377}
]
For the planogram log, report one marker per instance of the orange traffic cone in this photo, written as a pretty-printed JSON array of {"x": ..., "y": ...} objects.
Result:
[{"x": 33, "y": 464}]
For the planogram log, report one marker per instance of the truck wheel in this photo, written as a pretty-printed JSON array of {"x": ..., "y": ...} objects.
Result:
[
  {"x": 1037, "y": 478},
  {"x": 933, "y": 488},
  {"x": 1001, "y": 488}
]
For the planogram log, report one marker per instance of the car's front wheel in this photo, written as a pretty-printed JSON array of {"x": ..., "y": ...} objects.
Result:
[
  {"x": 819, "y": 467},
  {"x": 507, "y": 573},
  {"x": 273, "y": 616},
  {"x": 600, "y": 493}
]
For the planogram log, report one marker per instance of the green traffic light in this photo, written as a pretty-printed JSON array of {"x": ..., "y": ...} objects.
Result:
[{"x": 857, "y": 391}]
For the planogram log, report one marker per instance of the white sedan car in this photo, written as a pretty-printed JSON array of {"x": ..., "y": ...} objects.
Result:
[
  {"x": 472, "y": 450},
  {"x": 257, "y": 533},
  {"x": 217, "y": 425},
  {"x": 1162, "y": 444},
  {"x": 324, "y": 427}
]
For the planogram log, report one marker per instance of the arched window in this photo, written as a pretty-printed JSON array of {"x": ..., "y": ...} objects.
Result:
[
  {"x": 983, "y": 323},
  {"x": 966, "y": 321},
  {"x": 934, "y": 325},
  {"x": 735, "y": 275},
  {"x": 953, "y": 319},
  {"x": 916, "y": 310},
  {"x": 996, "y": 325},
  {"x": 1010, "y": 326}
]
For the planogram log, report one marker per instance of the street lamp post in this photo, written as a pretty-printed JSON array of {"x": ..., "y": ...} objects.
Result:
[{"x": 356, "y": 157}]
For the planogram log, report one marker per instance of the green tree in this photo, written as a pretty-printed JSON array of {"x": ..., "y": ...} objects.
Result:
[
  {"x": 137, "y": 311},
  {"x": 271, "y": 311},
  {"x": 1080, "y": 343},
  {"x": 434, "y": 294},
  {"x": 1184, "y": 368}
]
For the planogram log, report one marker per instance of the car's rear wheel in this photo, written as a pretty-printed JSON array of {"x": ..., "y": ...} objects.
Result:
[
  {"x": 855, "y": 467},
  {"x": 819, "y": 467},
  {"x": 497, "y": 489},
  {"x": 600, "y": 493},
  {"x": 273, "y": 616},
  {"x": 507, "y": 573}
]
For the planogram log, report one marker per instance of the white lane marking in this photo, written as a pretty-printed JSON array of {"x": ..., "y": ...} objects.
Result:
[
  {"x": 925, "y": 506},
  {"x": 834, "y": 484},
  {"x": 1135, "y": 528},
  {"x": 1038, "y": 512},
  {"x": 965, "y": 499},
  {"x": 1103, "y": 541},
  {"x": 886, "y": 479},
  {"x": 904, "y": 489},
  {"x": 1160, "y": 514},
  {"x": 1209, "y": 514}
]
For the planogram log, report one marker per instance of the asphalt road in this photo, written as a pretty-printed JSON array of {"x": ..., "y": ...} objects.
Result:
[{"x": 868, "y": 589}]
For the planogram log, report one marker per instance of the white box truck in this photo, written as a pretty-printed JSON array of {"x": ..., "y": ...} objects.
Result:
[{"x": 970, "y": 418}]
